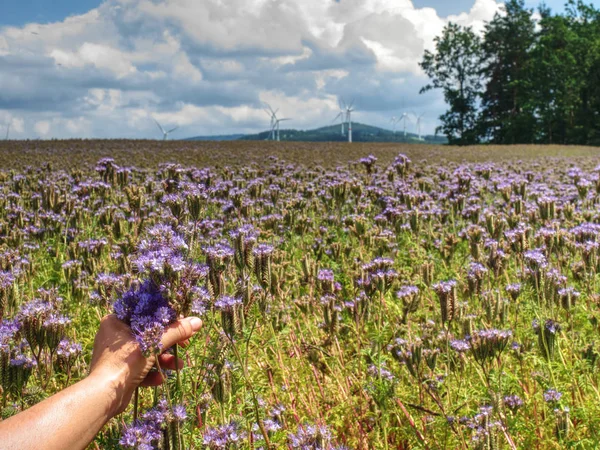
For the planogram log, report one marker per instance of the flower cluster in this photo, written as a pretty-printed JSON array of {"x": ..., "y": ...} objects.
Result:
[{"x": 145, "y": 433}]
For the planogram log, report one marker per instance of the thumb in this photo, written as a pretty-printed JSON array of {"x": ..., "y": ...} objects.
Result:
[{"x": 180, "y": 331}]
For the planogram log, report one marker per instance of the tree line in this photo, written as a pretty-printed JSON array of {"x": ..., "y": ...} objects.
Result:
[{"x": 524, "y": 80}]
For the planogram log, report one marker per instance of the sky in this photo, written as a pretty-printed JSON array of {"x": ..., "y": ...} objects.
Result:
[{"x": 108, "y": 69}]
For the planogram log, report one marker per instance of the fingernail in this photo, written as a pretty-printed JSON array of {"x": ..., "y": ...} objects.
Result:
[{"x": 196, "y": 323}]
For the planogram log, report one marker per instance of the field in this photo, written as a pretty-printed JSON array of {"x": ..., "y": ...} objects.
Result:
[{"x": 361, "y": 297}]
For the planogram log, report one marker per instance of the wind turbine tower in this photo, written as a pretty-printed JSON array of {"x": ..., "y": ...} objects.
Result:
[
  {"x": 162, "y": 130},
  {"x": 349, "y": 110},
  {"x": 277, "y": 121},
  {"x": 394, "y": 121},
  {"x": 273, "y": 115},
  {"x": 341, "y": 117},
  {"x": 419, "y": 117},
  {"x": 404, "y": 118},
  {"x": 8, "y": 129}
]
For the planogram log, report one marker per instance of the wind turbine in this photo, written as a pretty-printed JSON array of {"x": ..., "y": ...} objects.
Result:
[
  {"x": 394, "y": 121},
  {"x": 349, "y": 120},
  {"x": 165, "y": 133},
  {"x": 341, "y": 117},
  {"x": 403, "y": 117},
  {"x": 418, "y": 124},
  {"x": 277, "y": 126},
  {"x": 8, "y": 130},
  {"x": 273, "y": 114}
]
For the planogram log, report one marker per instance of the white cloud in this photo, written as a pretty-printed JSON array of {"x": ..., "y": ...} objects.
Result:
[
  {"x": 100, "y": 56},
  {"x": 208, "y": 65},
  {"x": 42, "y": 127}
]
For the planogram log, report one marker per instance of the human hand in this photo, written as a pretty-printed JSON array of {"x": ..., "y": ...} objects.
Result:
[{"x": 118, "y": 360}]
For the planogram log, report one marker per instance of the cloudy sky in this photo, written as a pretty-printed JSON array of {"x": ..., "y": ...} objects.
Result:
[{"x": 91, "y": 68}]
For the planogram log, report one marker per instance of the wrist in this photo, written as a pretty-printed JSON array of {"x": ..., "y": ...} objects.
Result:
[{"x": 114, "y": 389}]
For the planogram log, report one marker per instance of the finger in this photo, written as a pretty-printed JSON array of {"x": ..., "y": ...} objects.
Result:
[
  {"x": 170, "y": 362},
  {"x": 153, "y": 379},
  {"x": 180, "y": 331}
]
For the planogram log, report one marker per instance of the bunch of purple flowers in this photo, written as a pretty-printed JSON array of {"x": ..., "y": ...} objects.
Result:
[
  {"x": 145, "y": 433},
  {"x": 170, "y": 290}
]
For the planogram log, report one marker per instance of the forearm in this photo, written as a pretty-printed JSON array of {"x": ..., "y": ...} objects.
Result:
[{"x": 68, "y": 420}]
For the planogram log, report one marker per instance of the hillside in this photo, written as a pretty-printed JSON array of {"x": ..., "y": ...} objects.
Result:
[
  {"x": 360, "y": 133},
  {"x": 225, "y": 137}
]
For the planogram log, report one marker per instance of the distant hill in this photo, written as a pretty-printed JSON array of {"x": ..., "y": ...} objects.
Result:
[
  {"x": 360, "y": 133},
  {"x": 226, "y": 137}
]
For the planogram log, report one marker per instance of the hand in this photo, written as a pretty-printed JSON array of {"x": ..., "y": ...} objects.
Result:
[{"x": 118, "y": 360}]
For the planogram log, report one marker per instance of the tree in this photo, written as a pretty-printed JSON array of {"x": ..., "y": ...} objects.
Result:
[
  {"x": 508, "y": 113},
  {"x": 584, "y": 21},
  {"x": 454, "y": 68},
  {"x": 557, "y": 78}
]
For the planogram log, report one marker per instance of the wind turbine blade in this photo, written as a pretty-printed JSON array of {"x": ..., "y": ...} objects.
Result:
[
  {"x": 268, "y": 107},
  {"x": 351, "y": 104},
  {"x": 159, "y": 127},
  {"x": 173, "y": 129}
]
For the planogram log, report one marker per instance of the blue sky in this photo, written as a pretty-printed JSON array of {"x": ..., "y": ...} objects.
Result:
[
  {"x": 20, "y": 12},
  {"x": 85, "y": 68}
]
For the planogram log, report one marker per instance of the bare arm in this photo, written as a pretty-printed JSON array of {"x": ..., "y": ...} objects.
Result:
[{"x": 71, "y": 418}]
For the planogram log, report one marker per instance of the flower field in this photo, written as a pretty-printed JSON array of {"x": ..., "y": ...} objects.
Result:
[{"x": 423, "y": 298}]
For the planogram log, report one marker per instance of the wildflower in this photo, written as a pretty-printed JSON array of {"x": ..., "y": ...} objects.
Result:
[
  {"x": 512, "y": 402},
  {"x": 514, "y": 290},
  {"x": 148, "y": 313},
  {"x": 311, "y": 437},
  {"x": 446, "y": 291},
  {"x": 552, "y": 396},
  {"x": 224, "y": 436}
]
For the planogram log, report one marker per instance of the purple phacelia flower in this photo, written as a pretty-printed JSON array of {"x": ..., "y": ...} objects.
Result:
[
  {"x": 460, "y": 345},
  {"x": 552, "y": 396},
  {"x": 513, "y": 402},
  {"x": 408, "y": 291},
  {"x": 226, "y": 303},
  {"x": 325, "y": 275}
]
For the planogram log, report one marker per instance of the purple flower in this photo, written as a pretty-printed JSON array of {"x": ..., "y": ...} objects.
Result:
[
  {"x": 380, "y": 372},
  {"x": 552, "y": 396},
  {"x": 219, "y": 252},
  {"x": 179, "y": 413},
  {"x": 550, "y": 326},
  {"x": 68, "y": 349},
  {"x": 536, "y": 259},
  {"x": 325, "y": 275},
  {"x": 148, "y": 313},
  {"x": 22, "y": 360},
  {"x": 408, "y": 291},
  {"x": 140, "y": 436},
  {"x": 460, "y": 346},
  {"x": 444, "y": 287},
  {"x": 226, "y": 303},
  {"x": 221, "y": 438},
  {"x": 309, "y": 437},
  {"x": 7, "y": 279},
  {"x": 513, "y": 402},
  {"x": 262, "y": 250}
]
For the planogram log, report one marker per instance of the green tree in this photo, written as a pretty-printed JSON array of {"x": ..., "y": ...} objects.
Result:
[
  {"x": 508, "y": 110},
  {"x": 556, "y": 79},
  {"x": 454, "y": 68},
  {"x": 584, "y": 21}
]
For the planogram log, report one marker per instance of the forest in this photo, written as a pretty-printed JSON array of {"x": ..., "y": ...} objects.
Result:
[{"x": 531, "y": 77}]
